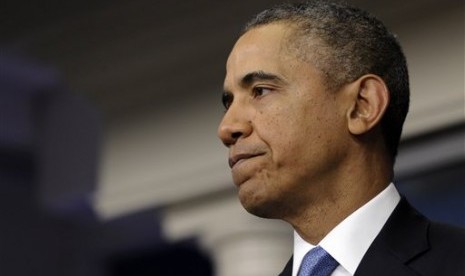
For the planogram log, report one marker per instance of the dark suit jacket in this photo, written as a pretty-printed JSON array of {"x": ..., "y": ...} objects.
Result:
[{"x": 410, "y": 244}]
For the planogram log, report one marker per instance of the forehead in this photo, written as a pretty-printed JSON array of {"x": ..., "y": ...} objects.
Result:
[
  {"x": 266, "y": 38},
  {"x": 262, "y": 48}
]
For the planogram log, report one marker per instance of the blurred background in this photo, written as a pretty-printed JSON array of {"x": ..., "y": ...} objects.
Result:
[{"x": 109, "y": 161}]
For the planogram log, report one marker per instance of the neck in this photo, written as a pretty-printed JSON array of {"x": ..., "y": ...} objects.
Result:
[{"x": 340, "y": 196}]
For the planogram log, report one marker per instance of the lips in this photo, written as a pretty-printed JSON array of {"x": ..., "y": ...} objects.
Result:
[{"x": 234, "y": 159}]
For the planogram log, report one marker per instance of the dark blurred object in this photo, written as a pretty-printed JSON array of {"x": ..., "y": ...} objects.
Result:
[
  {"x": 176, "y": 260},
  {"x": 55, "y": 132},
  {"x": 20, "y": 84},
  {"x": 432, "y": 173},
  {"x": 49, "y": 149},
  {"x": 440, "y": 193},
  {"x": 48, "y": 161}
]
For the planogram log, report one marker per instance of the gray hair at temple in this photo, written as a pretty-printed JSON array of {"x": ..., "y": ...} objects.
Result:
[{"x": 345, "y": 43}]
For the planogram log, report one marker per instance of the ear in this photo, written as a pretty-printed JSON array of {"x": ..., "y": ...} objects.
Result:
[{"x": 369, "y": 102}]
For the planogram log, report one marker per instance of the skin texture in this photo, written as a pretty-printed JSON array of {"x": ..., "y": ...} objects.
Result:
[{"x": 298, "y": 151}]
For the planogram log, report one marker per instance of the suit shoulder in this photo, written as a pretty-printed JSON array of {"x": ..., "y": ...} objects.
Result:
[
  {"x": 447, "y": 237},
  {"x": 446, "y": 251}
]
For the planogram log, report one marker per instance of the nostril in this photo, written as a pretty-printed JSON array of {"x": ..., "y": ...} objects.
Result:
[{"x": 236, "y": 135}]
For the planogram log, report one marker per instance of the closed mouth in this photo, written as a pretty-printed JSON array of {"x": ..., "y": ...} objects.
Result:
[{"x": 238, "y": 157}]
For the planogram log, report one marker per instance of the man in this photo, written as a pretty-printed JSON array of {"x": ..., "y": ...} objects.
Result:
[{"x": 316, "y": 95}]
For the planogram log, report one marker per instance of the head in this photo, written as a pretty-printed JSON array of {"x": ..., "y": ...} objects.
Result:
[
  {"x": 297, "y": 102},
  {"x": 345, "y": 43}
]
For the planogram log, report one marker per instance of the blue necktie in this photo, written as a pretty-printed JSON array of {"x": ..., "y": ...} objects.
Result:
[{"x": 317, "y": 262}]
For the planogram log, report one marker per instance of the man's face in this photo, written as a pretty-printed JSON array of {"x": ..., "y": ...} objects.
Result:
[{"x": 285, "y": 132}]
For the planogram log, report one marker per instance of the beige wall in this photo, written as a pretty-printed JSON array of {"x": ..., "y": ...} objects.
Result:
[{"x": 434, "y": 46}]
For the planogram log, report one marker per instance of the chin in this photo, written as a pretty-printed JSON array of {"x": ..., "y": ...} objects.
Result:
[
  {"x": 261, "y": 207},
  {"x": 261, "y": 212}
]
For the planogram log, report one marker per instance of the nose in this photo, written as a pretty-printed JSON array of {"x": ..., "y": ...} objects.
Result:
[{"x": 235, "y": 125}]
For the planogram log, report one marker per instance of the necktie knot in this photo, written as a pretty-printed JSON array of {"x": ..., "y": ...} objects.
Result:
[{"x": 317, "y": 262}]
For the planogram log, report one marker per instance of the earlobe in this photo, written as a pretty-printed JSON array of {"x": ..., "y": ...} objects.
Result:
[{"x": 370, "y": 101}]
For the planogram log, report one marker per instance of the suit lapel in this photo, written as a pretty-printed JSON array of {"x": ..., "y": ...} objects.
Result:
[{"x": 403, "y": 237}]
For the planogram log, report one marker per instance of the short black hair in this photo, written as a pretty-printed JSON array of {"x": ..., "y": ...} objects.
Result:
[{"x": 347, "y": 43}]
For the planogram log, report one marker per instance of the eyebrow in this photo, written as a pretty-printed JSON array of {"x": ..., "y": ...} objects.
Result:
[
  {"x": 252, "y": 77},
  {"x": 255, "y": 76}
]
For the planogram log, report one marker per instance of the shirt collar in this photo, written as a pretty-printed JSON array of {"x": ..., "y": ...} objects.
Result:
[{"x": 350, "y": 239}]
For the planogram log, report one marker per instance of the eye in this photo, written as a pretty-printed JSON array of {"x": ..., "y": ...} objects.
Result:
[
  {"x": 227, "y": 99},
  {"x": 261, "y": 91}
]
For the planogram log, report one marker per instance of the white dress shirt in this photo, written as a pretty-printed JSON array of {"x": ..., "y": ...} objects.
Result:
[{"x": 349, "y": 240}]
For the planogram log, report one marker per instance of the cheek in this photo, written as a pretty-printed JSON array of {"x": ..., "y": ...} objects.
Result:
[
  {"x": 286, "y": 138},
  {"x": 274, "y": 127},
  {"x": 294, "y": 131}
]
